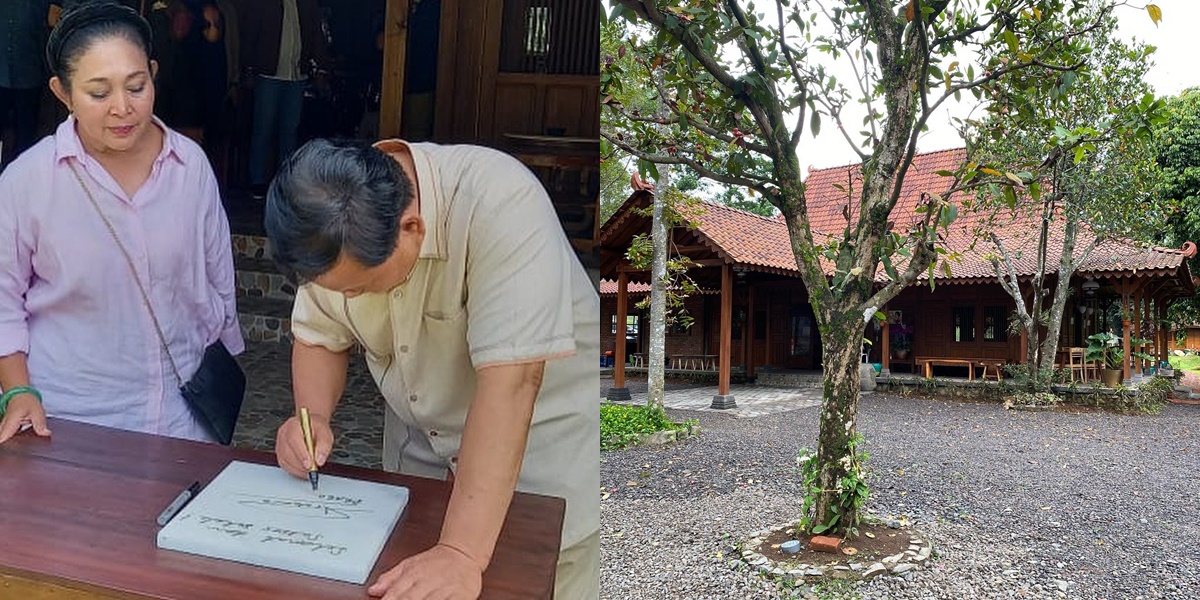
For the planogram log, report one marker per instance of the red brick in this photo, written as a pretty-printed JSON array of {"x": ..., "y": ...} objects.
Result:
[{"x": 824, "y": 543}]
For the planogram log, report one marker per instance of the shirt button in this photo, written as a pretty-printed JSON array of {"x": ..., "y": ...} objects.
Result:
[
  {"x": 412, "y": 398},
  {"x": 454, "y": 460},
  {"x": 433, "y": 434},
  {"x": 397, "y": 294},
  {"x": 404, "y": 348}
]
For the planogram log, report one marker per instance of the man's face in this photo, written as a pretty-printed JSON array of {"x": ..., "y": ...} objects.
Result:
[{"x": 352, "y": 278}]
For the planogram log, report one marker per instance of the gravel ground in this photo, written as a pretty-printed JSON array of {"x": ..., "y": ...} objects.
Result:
[{"x": 1082, "y": 505}]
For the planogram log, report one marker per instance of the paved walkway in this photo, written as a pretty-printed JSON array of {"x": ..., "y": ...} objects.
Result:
[
  {"x": 752, "y": 401},
  {"x": 357, "y": 422}
]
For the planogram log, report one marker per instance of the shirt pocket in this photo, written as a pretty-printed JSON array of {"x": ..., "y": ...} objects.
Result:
[{"x": 369, "y": 318}]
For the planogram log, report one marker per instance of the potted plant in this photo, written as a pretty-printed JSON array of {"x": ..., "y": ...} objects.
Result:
[
  {"x": 901, "y": 339},
  {"x": 1106, "y": 348}
]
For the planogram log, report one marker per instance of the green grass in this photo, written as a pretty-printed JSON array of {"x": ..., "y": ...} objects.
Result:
[
  {"x": 1186, "y": 363},
  {"x": 621, "y": 425}
]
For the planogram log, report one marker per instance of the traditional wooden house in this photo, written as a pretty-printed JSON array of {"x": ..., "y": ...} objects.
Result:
[{"x": 757, "y": 316}]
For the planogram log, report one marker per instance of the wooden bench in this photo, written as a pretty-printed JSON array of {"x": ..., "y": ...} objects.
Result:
[
  {"x": 928, "y": 363},
  {"x": 992, "y": 366},
  {"x": 695, "y": 362}
]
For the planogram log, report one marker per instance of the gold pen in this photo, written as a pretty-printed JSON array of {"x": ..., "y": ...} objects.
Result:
[{"x": 306, "y": 427}]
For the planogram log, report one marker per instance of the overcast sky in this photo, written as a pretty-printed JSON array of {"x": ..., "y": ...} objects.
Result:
[{"x": 1175, "y": 69}]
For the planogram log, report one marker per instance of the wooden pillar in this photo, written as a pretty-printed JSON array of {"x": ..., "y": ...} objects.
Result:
[
  {"x": 395, "y": 44},
  {"x": 619, "y": 392},
  {"x": 723, "y": 399},
  {"x": 1126, "y": 311},
  {"x": 1164, "y": 334},
  {"x": 1135, "y": 328},
  {"x": 748, "y": 331},
  {"x": 770, "y": 357},
  {"x": 886, "y": 347},
  {"x": 1146, "y": 318}
]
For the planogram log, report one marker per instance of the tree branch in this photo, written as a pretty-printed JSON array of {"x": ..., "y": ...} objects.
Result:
[
  {"x": 755, "y": 184},
  {"x": 794, "y": 142},
  {"x": 1010, "y": 283},
  {"x": 698, "y": 124}
]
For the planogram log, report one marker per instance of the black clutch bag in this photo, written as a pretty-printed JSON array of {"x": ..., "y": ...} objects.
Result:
[{"x": 215, "y": 392}]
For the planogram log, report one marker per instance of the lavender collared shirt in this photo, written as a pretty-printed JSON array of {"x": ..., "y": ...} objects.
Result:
[{"x": 69, "y": 301}]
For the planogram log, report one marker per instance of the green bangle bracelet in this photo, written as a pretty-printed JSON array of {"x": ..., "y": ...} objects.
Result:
[{"x": 17, "y": 391}]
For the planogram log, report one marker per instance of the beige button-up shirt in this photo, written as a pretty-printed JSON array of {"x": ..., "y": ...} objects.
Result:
[{"x": 496, "y": 282}]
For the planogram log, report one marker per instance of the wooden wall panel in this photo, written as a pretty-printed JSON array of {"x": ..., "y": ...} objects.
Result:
[
  {"x": 563, "y": 109},
  {"x": 516, "y": 106}
]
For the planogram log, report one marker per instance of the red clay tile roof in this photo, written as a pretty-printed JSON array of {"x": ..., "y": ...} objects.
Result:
[
  {"x": 763, "y": 242},
  {"x": 747, "y": 238},
  {"x": 609, "y": 288}
]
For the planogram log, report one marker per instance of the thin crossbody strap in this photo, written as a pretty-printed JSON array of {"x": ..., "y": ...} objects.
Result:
[{"x": 132, "y": 269}]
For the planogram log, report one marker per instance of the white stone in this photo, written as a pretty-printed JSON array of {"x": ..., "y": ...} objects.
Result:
[
  {"x": 814, "y": 572},
  {"x": 856, "y": 566},
  {"x": 903, "y": 568},
  {"x": 924, "y": 554},
  {"x": 777, "y": 571},
  {"x": 873, "y": 570},
  {"x": 891, "y": 560},
  {"x": 796, "y": 572}
]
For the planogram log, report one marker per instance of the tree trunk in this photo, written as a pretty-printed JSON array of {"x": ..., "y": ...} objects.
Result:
[
  {"x": 658, "y": 283},
  {"x": 841, "y": 343},
  {"x": 658, "y": 294}
]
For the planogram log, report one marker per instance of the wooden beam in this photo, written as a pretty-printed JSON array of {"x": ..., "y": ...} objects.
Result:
[
  {"x": 395, "y": 46},
  {"x": 619, "y": 342},
  {"x": 726, "y": 328},
  {"x": 708, "y": 262}
]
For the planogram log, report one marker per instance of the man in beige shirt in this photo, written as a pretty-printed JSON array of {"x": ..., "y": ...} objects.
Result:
[{"x": 448, "y": 265}]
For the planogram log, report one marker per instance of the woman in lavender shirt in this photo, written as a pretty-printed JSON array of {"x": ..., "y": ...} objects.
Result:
[{"x": 73, "y": 326}]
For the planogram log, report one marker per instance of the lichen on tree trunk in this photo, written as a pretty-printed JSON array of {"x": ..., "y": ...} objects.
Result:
[{"x": 841, "y": 394}]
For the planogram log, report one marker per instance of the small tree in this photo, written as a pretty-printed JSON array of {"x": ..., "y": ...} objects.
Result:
[
  {"x": 1079, "y": 163},
  {"x": 742, "y": 82}
]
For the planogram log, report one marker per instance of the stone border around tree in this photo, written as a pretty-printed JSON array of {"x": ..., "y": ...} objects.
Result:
[{"x": 920, "y": 549}]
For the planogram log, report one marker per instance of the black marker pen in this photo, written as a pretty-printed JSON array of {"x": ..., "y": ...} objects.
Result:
[{"x": 178, "y": 503}]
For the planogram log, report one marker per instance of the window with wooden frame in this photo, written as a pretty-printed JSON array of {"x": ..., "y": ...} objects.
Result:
[
  {"x": 995, "y": 324},
  {"x": 963, "y": 324},
  {"x": 550, "y": 36}
]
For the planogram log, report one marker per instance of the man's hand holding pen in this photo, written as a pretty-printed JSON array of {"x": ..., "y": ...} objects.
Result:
[{"x": 292, "y": 451}]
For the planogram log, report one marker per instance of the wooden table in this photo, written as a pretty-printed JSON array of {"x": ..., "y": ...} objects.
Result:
[
  {"x": 77, "y": 520},
  {"x": 696, "y": 362},
  {"x": 929, "y": 363}
]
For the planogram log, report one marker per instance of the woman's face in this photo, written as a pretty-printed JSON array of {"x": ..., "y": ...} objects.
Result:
[{"x": 111, "y": 95}]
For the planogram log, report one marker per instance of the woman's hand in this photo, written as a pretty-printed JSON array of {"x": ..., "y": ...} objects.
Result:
[{"x": 23, "y": 411}]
